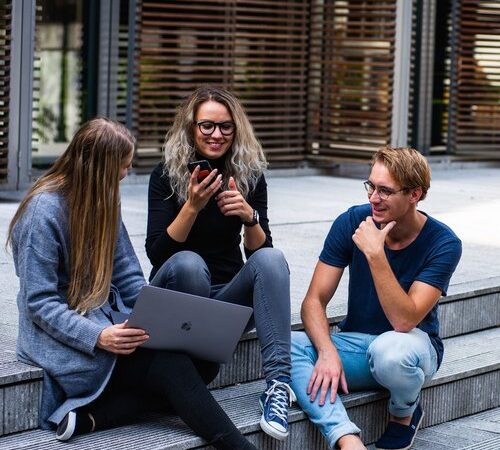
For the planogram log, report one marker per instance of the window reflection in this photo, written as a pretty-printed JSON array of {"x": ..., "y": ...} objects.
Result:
[{"x": 58, "y": 62}]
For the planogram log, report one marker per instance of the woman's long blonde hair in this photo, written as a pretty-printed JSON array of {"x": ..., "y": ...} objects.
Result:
[
  {"x": 88, "y": 176},
  {"x": 245, "y": 161}
]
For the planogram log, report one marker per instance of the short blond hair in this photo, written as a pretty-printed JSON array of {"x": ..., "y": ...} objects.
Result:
[{"x": 407, "y": 166}]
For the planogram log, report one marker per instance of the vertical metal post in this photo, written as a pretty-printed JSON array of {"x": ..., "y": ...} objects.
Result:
[
  {"x": 451, "y": 141},
  {"x": 131, "y": 63},
  {"x": 90, "y": 62},
  {"x": 401, "y": 83},
  {"x": 423, "y": 113},
  {"x": 21, "y": 94},
  {"x": 107, "y": 78}
]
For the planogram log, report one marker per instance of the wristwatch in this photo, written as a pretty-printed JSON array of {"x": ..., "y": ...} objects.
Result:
[{"x": 254, "y": 221}]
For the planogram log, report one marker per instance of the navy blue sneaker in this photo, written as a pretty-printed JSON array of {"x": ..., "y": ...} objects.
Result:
[
  {"x": 401, "y": 437},
  {"x": 274, "y": 404}
]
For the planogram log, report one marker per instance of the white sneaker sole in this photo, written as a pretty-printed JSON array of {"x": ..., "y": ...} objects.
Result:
[
  {"x": 273, "y": 432},
  {"x": 70, "y": 428}
]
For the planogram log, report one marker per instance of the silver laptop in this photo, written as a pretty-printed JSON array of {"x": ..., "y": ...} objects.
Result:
[{"x": 202, "y": 327}]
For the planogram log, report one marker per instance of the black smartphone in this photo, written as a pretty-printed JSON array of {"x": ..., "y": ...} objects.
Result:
[{"x": 205, "y": 168}]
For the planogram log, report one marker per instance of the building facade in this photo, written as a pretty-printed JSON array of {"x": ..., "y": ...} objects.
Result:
[{"x": 323, "y": 81}]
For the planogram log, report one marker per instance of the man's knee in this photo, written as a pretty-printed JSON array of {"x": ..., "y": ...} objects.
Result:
[
  {"x": 386, "y": 349},
  {"x": 392, "y": 358}
]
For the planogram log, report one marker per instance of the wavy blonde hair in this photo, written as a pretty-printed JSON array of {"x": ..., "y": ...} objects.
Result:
[
  {"x": 245, "y": 162},
  {"x": 88, "y": 175}
]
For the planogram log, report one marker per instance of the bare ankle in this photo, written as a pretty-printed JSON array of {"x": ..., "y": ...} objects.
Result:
[
  {"x": 401, "y": 420},
  {"x": 350, "y": 442}
]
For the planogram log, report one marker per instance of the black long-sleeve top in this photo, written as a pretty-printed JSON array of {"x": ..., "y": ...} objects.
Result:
[{"x": 215, "y": 237}]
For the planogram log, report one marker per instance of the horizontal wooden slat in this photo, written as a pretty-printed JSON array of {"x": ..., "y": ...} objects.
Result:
[
  {"x": 220, "y": 4},
  {"x": 276, "y": 37}
]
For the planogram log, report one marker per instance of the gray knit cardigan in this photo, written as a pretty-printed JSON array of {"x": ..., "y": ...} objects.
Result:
[{"x": 51, "y": 335}]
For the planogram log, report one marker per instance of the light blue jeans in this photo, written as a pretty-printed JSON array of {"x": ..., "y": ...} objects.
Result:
[
  {"x": 399, "y": 362},
  {"x": 262, "y": 283}
]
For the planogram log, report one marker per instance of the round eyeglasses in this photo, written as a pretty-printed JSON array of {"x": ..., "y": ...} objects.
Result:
[
  {"x": 383, "y": 192},
  {"x": 207, "y": 127}
]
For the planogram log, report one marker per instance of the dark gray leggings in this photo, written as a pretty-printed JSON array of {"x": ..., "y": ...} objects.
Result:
[{"x": 149, "y": 380}]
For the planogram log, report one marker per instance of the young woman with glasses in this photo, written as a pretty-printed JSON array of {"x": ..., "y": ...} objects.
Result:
[
  {"x": 195, "y": 221},
  {"x": 76, "y": 265}
]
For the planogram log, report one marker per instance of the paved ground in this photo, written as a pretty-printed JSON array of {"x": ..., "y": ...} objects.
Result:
[{"x": 301, "y": 210}]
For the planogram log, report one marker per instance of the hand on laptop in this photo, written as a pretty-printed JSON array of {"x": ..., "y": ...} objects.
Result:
[{"x": 121, "y": 340}]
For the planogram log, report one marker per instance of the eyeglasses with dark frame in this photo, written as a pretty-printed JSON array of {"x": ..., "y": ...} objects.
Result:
[
  {"x": 207, "y": 127},
  {"x": 383, "y": 192}
]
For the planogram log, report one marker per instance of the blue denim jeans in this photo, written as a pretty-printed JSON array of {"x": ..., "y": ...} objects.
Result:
[
  {"x": 399, "y": 362},
  {"x": 262, "y": 283}
]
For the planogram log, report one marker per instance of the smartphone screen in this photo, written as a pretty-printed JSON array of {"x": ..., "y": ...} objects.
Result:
[{"x": 205, "y": 168}]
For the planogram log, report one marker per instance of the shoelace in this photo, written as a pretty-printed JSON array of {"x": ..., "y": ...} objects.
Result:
[{"x": 282, "y": 395}]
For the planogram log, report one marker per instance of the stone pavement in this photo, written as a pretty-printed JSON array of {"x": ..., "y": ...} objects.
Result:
[{"x": 301, "y": 209}]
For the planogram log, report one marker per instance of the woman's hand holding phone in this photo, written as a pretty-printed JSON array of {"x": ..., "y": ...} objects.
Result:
[
  {"x": 200, "y": 192},
  {"x": 204, "y": 166}
]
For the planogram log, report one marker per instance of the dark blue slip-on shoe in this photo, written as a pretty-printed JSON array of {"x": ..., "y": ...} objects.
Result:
[{"x": 400, "y": 437}]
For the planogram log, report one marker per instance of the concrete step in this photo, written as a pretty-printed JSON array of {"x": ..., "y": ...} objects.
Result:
[
  {"x": 468, "y": 307},
  {"x": 477, "y": 432},
  {"x": 467, "y": 383},
  {"x": 20, "y": 390}
]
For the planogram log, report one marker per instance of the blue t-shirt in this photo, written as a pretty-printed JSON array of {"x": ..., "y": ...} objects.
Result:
[{"x": 431, "y": 258}]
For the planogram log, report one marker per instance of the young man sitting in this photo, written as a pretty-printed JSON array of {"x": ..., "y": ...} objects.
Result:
[{"x": 400, "y": 263}]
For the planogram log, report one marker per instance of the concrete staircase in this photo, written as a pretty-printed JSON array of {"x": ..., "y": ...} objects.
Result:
[
  {"x": 477, "y": 432},
  {"x": 467, "y": 383}
]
